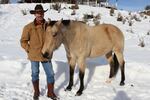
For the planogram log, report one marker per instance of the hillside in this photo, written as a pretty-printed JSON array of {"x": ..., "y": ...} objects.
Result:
[{"x": 15, "y": 73}]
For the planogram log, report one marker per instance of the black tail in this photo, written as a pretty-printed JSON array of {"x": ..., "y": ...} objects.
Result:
[{"x": 116, "y": 64}]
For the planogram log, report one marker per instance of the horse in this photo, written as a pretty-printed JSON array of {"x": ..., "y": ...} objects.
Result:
[{"x": 82, "y": 41}]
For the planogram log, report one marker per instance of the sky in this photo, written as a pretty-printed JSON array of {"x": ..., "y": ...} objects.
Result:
[{"x": 131, "y": 5}]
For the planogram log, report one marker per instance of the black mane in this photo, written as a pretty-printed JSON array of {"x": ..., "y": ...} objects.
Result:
[
  {"x": 52, "y": 23},
  {"x": 49, "y": 24},
  {"x": 66, "y": 22}
]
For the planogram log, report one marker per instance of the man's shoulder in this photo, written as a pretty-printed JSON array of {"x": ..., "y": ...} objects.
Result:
[{"x": 29, "y": 24}]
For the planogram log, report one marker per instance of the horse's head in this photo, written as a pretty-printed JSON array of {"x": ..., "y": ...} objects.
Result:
[{"x": 53, "y": 38}]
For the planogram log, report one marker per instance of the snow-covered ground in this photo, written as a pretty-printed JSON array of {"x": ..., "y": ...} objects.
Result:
[{"x": 15, "y": 73}]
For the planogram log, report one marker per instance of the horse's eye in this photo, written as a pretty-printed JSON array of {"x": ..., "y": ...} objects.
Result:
[{"x": 54, "y": 34}]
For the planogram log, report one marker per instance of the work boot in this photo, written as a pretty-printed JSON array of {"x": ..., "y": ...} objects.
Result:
[
  {"x": 36, "y": 90},
  {"x": 50, "y": 92}
]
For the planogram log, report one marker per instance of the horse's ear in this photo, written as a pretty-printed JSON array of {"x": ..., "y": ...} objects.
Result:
[
  {"x": 47, "y": 23},
  {"x": 66, "y": 22},
  {"x": 59, "y": 22}
]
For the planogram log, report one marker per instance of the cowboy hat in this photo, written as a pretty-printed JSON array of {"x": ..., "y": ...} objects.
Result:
[{"x": 38, "y": 8}]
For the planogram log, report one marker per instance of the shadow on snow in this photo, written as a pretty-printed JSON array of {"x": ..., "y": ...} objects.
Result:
[{"x": 63, "y": 68}]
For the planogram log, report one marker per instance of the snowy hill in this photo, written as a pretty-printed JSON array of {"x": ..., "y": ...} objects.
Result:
[{"x": 15, "y": 75}]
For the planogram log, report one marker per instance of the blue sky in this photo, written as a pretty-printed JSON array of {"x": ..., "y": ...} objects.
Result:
[{"x": 131, "y": 5}]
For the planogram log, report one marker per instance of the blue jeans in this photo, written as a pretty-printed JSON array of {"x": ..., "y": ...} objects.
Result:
[{"x": 48, "y": 68}]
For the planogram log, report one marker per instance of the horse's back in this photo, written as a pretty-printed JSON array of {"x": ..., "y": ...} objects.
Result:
[
  {"x": 103, "y": 30},
  {"x": 105, "y": 38},
  {"x": 96, "y": 40}
]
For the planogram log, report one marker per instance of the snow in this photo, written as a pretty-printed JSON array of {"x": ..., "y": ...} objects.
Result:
[{"x": 15, "y": 72}]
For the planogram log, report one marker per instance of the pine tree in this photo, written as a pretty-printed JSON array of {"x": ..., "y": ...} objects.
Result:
[
  {"x": 147, "y": 7},
  {"x": 4, "y": 1}
]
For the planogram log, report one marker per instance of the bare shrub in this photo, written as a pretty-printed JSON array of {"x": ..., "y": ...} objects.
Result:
[
  {"x": 148, "y": 33},
  {"x": 112, "y": 11},
  {"x": 73, "y": 12},
  {"x": 75, "y": 6},
  {"x": 130, "y": 23},
  {"x": 136, "y": 18},
  {"x": 124, "y": 21},
  {"x": 56, "y": 6},
  {"x": 141, "y": 14},
  {"x": 129, "y": 13},
  {"x": 141, "y": 42},
  {"x": 88, "y": 16},
  {"x": 24, "y": 11},
  {"x": 96, "y": 21},
  {"x": 120, "y": 17},
  {"x": 130, "y": 30},
  {"x": 145, "y": 17},
  {"x": 85, "y": 20},
  {"x": 98, "y": 16}
]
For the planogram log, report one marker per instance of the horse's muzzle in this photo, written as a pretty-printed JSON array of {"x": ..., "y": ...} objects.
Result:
[{"x": 46, "y": 55}]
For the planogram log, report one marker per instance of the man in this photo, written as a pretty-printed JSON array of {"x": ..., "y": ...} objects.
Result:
[{"x": 32, "y": 41}]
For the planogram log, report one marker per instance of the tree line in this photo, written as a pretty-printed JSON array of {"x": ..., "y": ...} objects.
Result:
[{"x": 147, "y": 7}]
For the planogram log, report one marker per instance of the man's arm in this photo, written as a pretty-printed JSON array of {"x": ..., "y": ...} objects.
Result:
[{"x": 25, "y": 39}]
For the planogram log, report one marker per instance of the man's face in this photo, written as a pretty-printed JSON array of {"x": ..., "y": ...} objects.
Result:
[{"x": 39, "y": 15}]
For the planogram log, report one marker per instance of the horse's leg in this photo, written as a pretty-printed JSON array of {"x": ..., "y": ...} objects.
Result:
[
  {"x": 72, "y": 64},
  {"x": 81, "y": 64},
  {"x": 109, "y": 58},
  {"x": 122, "y": 66},
  {"x": 113, "y": 62}
]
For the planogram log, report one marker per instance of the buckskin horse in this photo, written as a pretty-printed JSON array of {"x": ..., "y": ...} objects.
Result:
[{"x": 81, "y": 41}]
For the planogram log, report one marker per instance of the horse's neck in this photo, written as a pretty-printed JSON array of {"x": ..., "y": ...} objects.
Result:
[
  {"x": 74, "y": 31},
  {"x": 65, "y": 38}
]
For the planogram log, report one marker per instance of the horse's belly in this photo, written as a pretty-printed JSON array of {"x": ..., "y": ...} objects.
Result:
[{"x": 95, "y": 52}]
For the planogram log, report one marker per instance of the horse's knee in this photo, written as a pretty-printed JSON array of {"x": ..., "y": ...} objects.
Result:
[
  {"x": 120, "y": 58},
  {"x": 81, "y": 74},
  {"x": 81, "y": 64},
  {"x": 72, "y": 62}
]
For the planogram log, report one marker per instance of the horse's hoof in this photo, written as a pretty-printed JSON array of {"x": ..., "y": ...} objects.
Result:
[
  {"x": 68, "y": 89},
  {"x": 122, "y": 83},
  {"x": 109, "y": 80},
  {"x": 78, "y": 93}
]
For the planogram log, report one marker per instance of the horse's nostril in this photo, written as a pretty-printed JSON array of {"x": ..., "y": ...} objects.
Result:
[{"x": 45, "y": 55}]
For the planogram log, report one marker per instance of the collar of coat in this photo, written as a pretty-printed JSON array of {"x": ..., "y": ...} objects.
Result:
[{"x": 44, "y": 24}]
